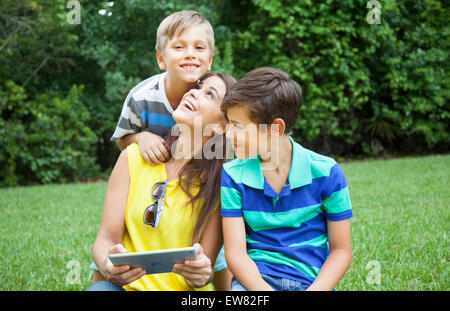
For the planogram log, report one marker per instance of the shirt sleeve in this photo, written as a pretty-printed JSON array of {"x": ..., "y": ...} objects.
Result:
[
  {"x": 336, "y": 198},
  {"x": 129, "y": 121},
  {"x": 230, "y": 196}
]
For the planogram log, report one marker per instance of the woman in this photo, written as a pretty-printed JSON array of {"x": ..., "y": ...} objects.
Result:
[{"x": 188, "y": 187}]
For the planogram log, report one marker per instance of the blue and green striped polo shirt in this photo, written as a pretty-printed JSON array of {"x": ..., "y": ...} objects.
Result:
[{"x": 286, "y": 233}]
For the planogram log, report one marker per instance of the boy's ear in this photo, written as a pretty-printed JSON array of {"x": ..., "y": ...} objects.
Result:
[
  {"x": 210, "y": 62},
  {"x": 160, "y": 60},
  {"x": 278, "y": 127}
]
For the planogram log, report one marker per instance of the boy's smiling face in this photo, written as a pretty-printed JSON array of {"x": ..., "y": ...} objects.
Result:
[
  {"x": 249, "y": 139},
  {"x": 188, "y": 56}
]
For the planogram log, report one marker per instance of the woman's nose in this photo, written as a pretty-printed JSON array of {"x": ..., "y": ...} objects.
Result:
[{"x": 194, "y": 93}]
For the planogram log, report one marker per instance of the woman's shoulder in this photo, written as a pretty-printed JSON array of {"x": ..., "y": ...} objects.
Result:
[
  {"x": 133, "y": 147},
  {"x": 134, "y": 154},
  {"x": 139, "y": 166}
]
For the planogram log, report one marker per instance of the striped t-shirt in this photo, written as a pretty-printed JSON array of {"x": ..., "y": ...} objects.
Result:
[
  {"x": 146, "y": 108},
  {"x": 286, "y": 233}
]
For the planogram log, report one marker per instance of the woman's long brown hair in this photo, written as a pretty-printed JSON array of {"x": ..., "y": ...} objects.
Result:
[{"x": 203, "y": 172}]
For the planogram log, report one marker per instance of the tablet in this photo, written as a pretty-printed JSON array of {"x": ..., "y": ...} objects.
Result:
[{"x": 159, "y": 261}]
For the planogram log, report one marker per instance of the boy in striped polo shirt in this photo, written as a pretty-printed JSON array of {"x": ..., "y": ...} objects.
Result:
[
  {"x": 185, "y": 50},
  {"x": 285, "y": 209}
]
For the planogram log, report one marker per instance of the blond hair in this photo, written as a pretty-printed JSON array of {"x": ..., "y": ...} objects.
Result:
[{"x": 176, "y": 23}]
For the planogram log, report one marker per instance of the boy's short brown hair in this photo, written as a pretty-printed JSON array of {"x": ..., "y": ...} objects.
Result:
[
  {"x": 267, "y": 93},
  {"x": 176, "y": 23}
]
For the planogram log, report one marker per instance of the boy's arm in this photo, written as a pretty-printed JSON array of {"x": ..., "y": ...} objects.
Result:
[
  {"x": 339, "y": 258},
  {"x": 129, "y": 130},
  {"x": 234, "y": 237},
  {"x": 239, "y": 263},
  {"x": 151, "y": 146},
  {"x": 126, "y": 140},
  {"x": 338, "y": 210}
]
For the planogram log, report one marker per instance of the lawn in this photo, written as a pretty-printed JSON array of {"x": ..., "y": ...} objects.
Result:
[{"x": 399, "y": 229}]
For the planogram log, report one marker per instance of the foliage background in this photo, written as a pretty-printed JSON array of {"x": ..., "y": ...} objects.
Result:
[{"x": 369, "y": 89}]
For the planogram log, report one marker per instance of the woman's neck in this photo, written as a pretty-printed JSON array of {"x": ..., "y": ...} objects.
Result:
[{"x": 184, "y": 149}]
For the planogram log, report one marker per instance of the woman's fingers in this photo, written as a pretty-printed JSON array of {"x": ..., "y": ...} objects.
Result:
[
  {"x": 196, "y": 271},
  {"x": 124, "y": 274},
  {"x": 119, "y": 269},
  {"x": 132, "y": 275},
  {"x": 198, "y": 248},
  {"x": 117, "y": 249},
  {"x": 192, "y": 268},
  {"x": 196, "y": 277},
  {"x": 121, "y": 274},
  {"x": 110, "y": 267}
]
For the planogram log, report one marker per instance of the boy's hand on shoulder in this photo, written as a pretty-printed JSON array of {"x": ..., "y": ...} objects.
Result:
[{"x": 152, "y": 148}]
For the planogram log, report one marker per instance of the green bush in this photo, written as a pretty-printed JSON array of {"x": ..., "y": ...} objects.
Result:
[
  {"x": 367, "y": 87},
  {"x": 45, "y": 140}
]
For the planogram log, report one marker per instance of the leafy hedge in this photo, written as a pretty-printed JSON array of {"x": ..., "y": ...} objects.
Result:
[
  {"x": 368, "y": 88},
  {"x": 46, "y": 139}
]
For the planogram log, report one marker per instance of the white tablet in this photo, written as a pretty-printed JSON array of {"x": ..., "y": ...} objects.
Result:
[{"x": 159, "y": 261}]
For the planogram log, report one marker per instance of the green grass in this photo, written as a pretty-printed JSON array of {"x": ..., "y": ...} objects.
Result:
[
  {"x": 44, "y": 228},
  {"x": 399, "y": 229},
  {"x": 401, "y": 221}
]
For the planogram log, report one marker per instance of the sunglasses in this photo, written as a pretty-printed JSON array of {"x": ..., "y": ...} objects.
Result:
[{"x": 153, "y": 212}]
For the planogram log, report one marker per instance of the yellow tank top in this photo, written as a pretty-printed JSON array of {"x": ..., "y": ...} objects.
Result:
[{"x": 175, "y": 227}]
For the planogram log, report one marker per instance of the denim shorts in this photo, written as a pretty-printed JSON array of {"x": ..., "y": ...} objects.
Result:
[
  {"x": 220, "y": 261},
  {"x": 104, "y": 286},
  {"x": 277, "y": 283}
]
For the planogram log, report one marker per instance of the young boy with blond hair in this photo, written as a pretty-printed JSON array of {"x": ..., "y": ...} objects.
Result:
[
  {"x": 184, "y": 50},
  {"x": 285, "y": 209}
]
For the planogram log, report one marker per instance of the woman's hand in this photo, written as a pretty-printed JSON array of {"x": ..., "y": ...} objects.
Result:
[
  {"x": 197, "y": 272},
  {"x": 121, "y": 274}
]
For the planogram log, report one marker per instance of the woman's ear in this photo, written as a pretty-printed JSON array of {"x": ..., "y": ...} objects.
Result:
[{"x": 278, "y": 127}]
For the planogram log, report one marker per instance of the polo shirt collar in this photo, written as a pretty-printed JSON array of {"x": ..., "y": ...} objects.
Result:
[
  {"x": 299, "y": 174},
  {"x": 252, "y": 175}
]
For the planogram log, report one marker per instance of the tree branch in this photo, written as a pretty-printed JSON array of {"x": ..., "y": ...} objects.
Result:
[{"x": 46, "y": 59}]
